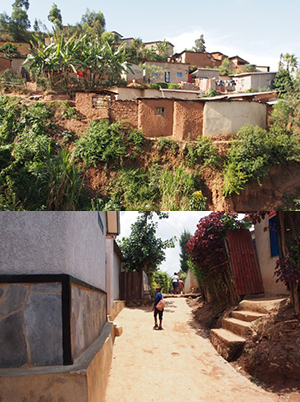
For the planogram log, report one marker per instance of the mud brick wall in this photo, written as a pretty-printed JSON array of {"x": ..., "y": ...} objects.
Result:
[
  {"x": 84, "y": 104},
  {"x": 152, "y": 124},
  {"x": 88, "y": 317},
  {"x": 125, "y": 110},
  {"x": 188, "y": 120},
  {"x": 4, "y": 64},
  {"x": 30, "y": 324}
]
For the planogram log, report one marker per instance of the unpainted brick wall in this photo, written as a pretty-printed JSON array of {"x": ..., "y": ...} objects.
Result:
[
  {"x": 84, "y": 104},
  {"x": 124, "y": 110},
  {"x": 188, "y": 120},
  {"x": 183, "y": 119},
  {"x": 154, "y": 125},
  {"x": 4, "y": 64}
]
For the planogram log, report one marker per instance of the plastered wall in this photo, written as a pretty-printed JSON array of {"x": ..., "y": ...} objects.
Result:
[
  {"x": 53, "y": 243},
  {"x": 226, "y": 118},
  {"x": 266, "y": 262}
]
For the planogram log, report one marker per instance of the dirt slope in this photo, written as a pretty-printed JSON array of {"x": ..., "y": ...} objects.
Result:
[{"x": 176, "y": 364}]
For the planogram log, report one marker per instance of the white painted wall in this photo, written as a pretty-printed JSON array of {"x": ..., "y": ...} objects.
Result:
[
  {"x": 53, "y": 243},
  {"x": 113, "y": 263},
  {"x": 190, "y": 282},
  {"x": 266, "y": 262},
  {"x": 253, "y": 80},
  {"x": 226, "y": 118}
]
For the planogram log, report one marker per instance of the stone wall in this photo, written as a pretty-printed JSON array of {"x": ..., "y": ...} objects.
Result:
[
  {"x": 48, "y": 323},
  {"x": 30, "y": 324},
  {"x": 88, "y": 317}
]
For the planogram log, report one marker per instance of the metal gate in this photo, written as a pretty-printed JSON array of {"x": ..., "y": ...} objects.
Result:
[{"x": 244, "y": 263}]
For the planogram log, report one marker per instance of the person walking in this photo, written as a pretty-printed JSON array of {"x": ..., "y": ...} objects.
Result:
[
  {"x": 175, "y": 283},
  {"x": 158, "y": 308}
]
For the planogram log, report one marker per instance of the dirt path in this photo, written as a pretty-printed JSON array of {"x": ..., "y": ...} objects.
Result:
[{"x": 176, "y": 364}]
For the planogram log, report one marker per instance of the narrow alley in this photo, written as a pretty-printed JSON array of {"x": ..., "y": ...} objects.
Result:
[{"x": 176, "y": 364}]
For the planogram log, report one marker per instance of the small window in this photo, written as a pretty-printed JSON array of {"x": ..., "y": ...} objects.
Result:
[
  {"x": 179, "y": 75},
  {"x": 159, "y": 111},
  {"x": 155, "y": 74},
  {"x": 100, "y": 102}
]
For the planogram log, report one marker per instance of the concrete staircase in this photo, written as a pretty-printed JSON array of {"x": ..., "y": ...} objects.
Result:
[{"x": 229, "y": 340}]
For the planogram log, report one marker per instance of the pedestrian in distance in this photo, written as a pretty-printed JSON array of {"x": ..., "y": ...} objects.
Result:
[
  {"x": 175, "y": 283},
  {"x": 181, "y": 286},
  {"x": 158, "y": 308}
]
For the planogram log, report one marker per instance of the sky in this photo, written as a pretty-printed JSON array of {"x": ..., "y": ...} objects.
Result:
[
  {"x": 256, "y": 30},
  {"x": 167, "y": 228}
]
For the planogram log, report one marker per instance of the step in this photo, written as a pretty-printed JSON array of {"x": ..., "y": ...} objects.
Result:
[
  {"x": 248, "y": 316},
  {"x": 238, "y": 327},
  {"x": 227, "y": 344},
  {"x": 262, "y": 305}
]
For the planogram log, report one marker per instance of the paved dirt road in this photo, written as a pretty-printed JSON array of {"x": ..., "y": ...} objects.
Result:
[{"x": 176, "y": 364}]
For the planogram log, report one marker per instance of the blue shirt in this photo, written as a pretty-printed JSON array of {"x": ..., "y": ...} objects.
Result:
[{"x": 158, "y": 298}]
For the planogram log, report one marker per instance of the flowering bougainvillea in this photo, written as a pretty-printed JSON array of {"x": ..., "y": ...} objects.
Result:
[
  {"x": 206, "y": 247},
  {"x": 207, "y": 252}
]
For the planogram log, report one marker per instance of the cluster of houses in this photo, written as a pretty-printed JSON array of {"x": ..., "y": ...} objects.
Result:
[
  {"x": 62, "y": 283},
  {"x": 194, "y": 71}
]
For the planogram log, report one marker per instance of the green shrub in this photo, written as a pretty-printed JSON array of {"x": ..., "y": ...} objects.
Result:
[
  {"x": 165, "y": 145},
  {"x": 176, "y": 187},
  {"x": 66, "y": 111},
  {"x": 59, "y": 180},
  {"x": 132, "y": 190},
  {"x": 253, "y": 152},
  {"x": 198, "y": 201},
  {"x": 203, "y": 153},
  {"x": 158, "y": 85},
  {"x": 174, "y": 86},
  {"x": 10, "y": 125},
  {"x": 10, "y": 81},
  {"x": 108, "y": 143}
]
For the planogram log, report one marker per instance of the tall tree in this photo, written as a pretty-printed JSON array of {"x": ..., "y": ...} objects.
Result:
[
  {"x": 142, "y": 249},
  {"x": 55, "y": 17},
  {"x": 199, "y": 45},
  {"x": 18, "y": 24},
  {"x": 183, "y": 239},
  {"x": 224, "y": 67},
  {"x": 92, "y": 24},
  {"x": 283, "y": 82},
  {"x": 289, "y": 62}
]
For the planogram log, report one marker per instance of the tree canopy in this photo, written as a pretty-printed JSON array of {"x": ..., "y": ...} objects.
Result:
[
  {"x": 199, "y": 45},
  {"x": 55, "y": 17},
  {"x": 92, "y": 24},
  {"x": 183, "y": 239},
  {"x": 18, "y": 23},
  {"x": 142, "y": 249}
]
